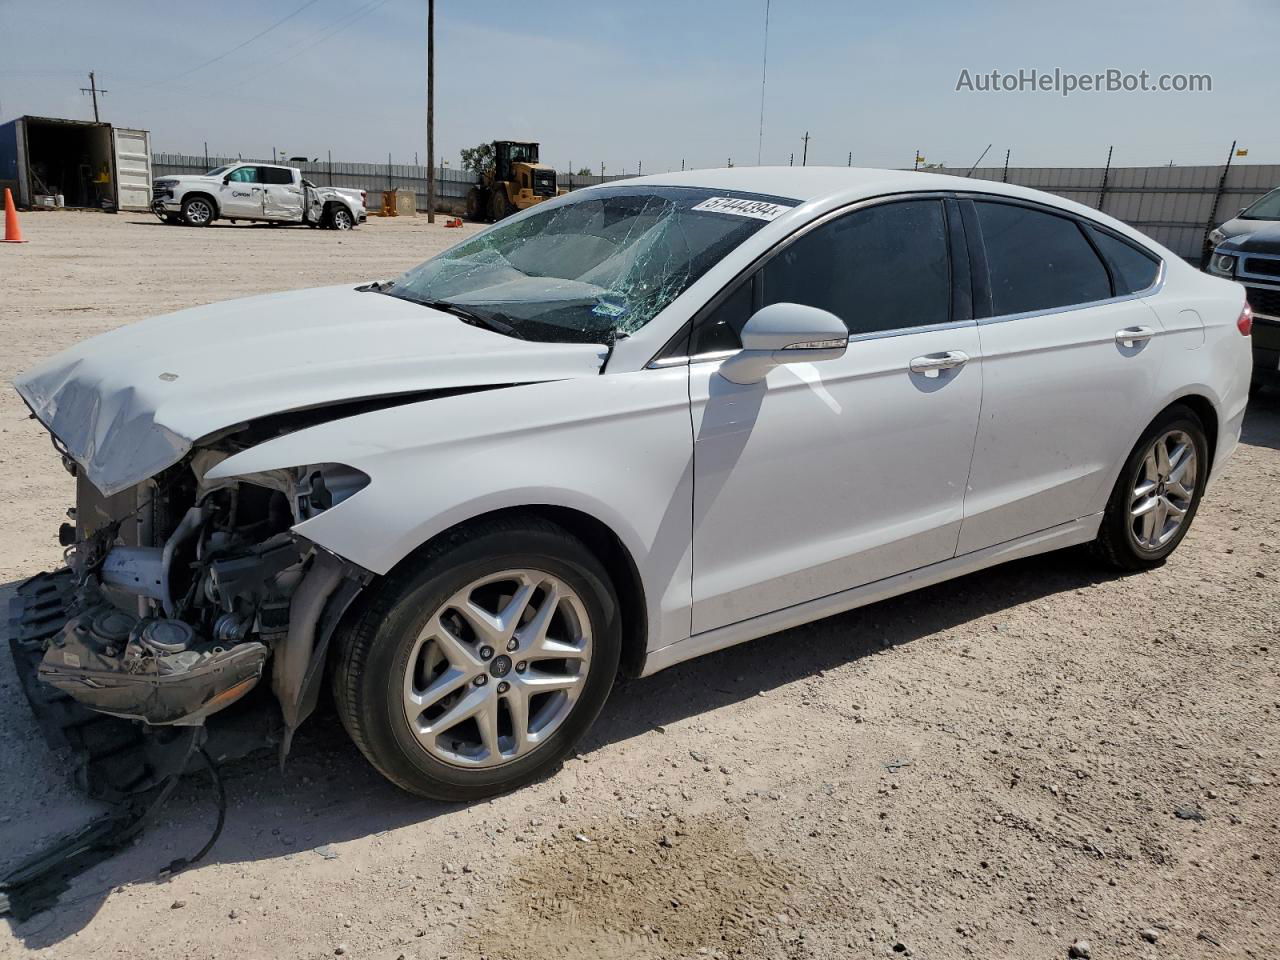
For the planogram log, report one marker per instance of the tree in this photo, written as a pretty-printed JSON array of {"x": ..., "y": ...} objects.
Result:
[
  {"x": 584, "y": 172},
  {"x": 478, "y": 159}
]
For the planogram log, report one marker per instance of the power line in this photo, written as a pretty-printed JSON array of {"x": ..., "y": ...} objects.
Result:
[
  {"x": 242, "y": 45},
  {"x": 319, "y": 38}
]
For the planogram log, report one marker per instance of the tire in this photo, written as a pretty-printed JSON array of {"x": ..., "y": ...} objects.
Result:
[
  {"x": 475, "y": 204},
  {"x": 1163, "y": 484},
  {"x": 499, "y": 205},
  {"x": 198, "y": 211},
  {"x": 393, "y": 661},
  {"x": 340, "y": 218}
]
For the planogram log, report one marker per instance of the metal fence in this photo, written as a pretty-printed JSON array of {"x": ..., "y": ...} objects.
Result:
[
  {"x": 451, "y": 185},
  {"x": 1175, "y": 206}
]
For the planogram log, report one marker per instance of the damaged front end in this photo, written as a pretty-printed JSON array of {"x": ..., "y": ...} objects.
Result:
[{"x": 181, "y": 594}]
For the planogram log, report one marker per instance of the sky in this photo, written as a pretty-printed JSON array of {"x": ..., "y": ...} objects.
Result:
[{"x": 652, "y": 84}]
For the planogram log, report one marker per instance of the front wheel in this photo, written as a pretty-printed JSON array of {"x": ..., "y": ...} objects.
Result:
[
  {"x": 198, "y": 211},
  {"x": 477, "y": 670},
  {"x": 1158, "y": 492}
]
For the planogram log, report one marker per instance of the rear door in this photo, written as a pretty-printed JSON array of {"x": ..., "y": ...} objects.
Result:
[
  {"x": 241, "y": 194},
  {"x": 830, "y": 475},
  {"x": 1071, "y": 357},
  {"x": 282, "y": 197},
  {"x": 132, "y": 150}
]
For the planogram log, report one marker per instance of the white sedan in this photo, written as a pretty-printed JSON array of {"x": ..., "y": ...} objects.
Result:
[{"x": 626, "y": 427}]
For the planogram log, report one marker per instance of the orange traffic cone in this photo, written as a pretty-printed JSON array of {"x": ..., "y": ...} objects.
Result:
[{"x": 12, "y": 229}]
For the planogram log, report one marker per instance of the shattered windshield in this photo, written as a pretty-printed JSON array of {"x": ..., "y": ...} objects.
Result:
[{"x": 588, "y": 267}]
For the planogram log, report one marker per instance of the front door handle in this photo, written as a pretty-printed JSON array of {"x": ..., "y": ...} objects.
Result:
[
  {"x": 1131, "y": 336},
  {"x": 934, "y": 363}
]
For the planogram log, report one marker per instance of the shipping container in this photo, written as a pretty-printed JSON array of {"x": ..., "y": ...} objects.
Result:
[{"x": 47, "y": 161}]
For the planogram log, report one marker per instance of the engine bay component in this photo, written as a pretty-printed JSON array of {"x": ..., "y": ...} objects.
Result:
[
  {"x": 155, "y": 670},
  {"x": 136, "y": 570}
]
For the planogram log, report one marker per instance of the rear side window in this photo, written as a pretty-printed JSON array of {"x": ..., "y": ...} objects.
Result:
[
  {"x": 885, "y": 267},
  {"x": 276, "y": 175},
  {"x": 1038, "y": 261},
  {"x": 1131, "y": 268}
]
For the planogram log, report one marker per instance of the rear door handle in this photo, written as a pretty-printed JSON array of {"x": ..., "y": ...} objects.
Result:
[
  {"x": 934, "y": 363},
  {"x": 1131, "y": 336}
]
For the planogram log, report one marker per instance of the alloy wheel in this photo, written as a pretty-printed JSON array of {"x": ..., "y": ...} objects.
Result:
[
  {"x": 198, "y": 212},
  {"x": 1163, "y": 490},
  {"x": 497, "y": 668}
]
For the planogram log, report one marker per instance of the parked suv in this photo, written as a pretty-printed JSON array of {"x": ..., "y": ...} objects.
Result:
[
  {"x": 1253, "y": 259},
  {"x": 620, "y": 429},
  {"x": 1263, "y": 211},
  {"x": 255, "y": 191}
]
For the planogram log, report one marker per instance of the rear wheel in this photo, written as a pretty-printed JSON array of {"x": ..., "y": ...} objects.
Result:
[
  {"x": 1158, "y": 492},
  {"x": 198, "y": 211},
  {"x": 477, "y": 670},
  {"x": 340, "y": 218}
]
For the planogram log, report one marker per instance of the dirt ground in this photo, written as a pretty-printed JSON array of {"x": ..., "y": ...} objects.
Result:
[{"x": 989, "y": 768}]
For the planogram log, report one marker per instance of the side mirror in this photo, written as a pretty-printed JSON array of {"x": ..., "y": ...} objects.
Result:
[
  {"x": 226, "y": 180},
  {"x": 785, "y": 333}
]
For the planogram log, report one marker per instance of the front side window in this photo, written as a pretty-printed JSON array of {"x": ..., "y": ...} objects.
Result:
[
  {"x": 1267, "y": 208},
  {"x": 884, "y": 267},
  {"x": 592, "y": 266},
  {"x": 244, "y": 175},
  {"x": 1038, "y": 261}
]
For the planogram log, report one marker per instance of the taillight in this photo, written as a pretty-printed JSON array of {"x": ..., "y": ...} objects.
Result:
[{"x": 1244, "y": 323}]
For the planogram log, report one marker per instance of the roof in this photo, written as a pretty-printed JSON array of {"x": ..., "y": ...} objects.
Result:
[{"x": 840, "y": 185}]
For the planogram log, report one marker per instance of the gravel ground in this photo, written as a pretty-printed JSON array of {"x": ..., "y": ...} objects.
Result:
[{"x": 994, "y": 767}]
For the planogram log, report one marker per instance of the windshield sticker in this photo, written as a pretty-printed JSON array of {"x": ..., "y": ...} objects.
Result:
[
  {"x": 759, "y": 209},
  {"x": 609, "y": 307}
]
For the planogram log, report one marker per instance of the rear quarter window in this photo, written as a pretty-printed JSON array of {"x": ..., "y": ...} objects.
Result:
[{"x": 1132, "y": 269}]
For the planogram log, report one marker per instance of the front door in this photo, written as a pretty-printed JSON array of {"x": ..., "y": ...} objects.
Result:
[
  {"x": 830, "y": 475},
  {"x": 241, "y": 194},
  {"x": 1070, "y": 360}
]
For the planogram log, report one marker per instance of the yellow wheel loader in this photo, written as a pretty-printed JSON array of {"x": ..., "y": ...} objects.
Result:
[{"x": 516, "y": 181}]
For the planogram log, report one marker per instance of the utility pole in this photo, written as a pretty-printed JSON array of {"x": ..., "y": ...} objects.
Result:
[
  {"x": 431, "y": 111},
  {"x": 792, "y": 161},
  {"x": 93, "y": 90},
  {"x": 850, "y": 163},
  {"x": 640, "y": 169},
  {"x": 804, "y": 158},
  {"x": 1004, "y": 178}
]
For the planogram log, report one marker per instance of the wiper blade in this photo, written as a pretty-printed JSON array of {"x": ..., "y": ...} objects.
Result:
[
  {"x": 488, "y": 321},
  {"x": 378, "y": 286}
]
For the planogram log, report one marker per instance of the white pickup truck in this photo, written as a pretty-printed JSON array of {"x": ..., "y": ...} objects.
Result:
[{"x": 255, "y": 191}]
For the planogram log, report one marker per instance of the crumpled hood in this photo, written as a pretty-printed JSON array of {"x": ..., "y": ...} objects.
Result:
[{"x": 131, "y": 402}]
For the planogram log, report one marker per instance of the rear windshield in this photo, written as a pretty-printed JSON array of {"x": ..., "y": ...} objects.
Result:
[{"x": 594, "y": 265}]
